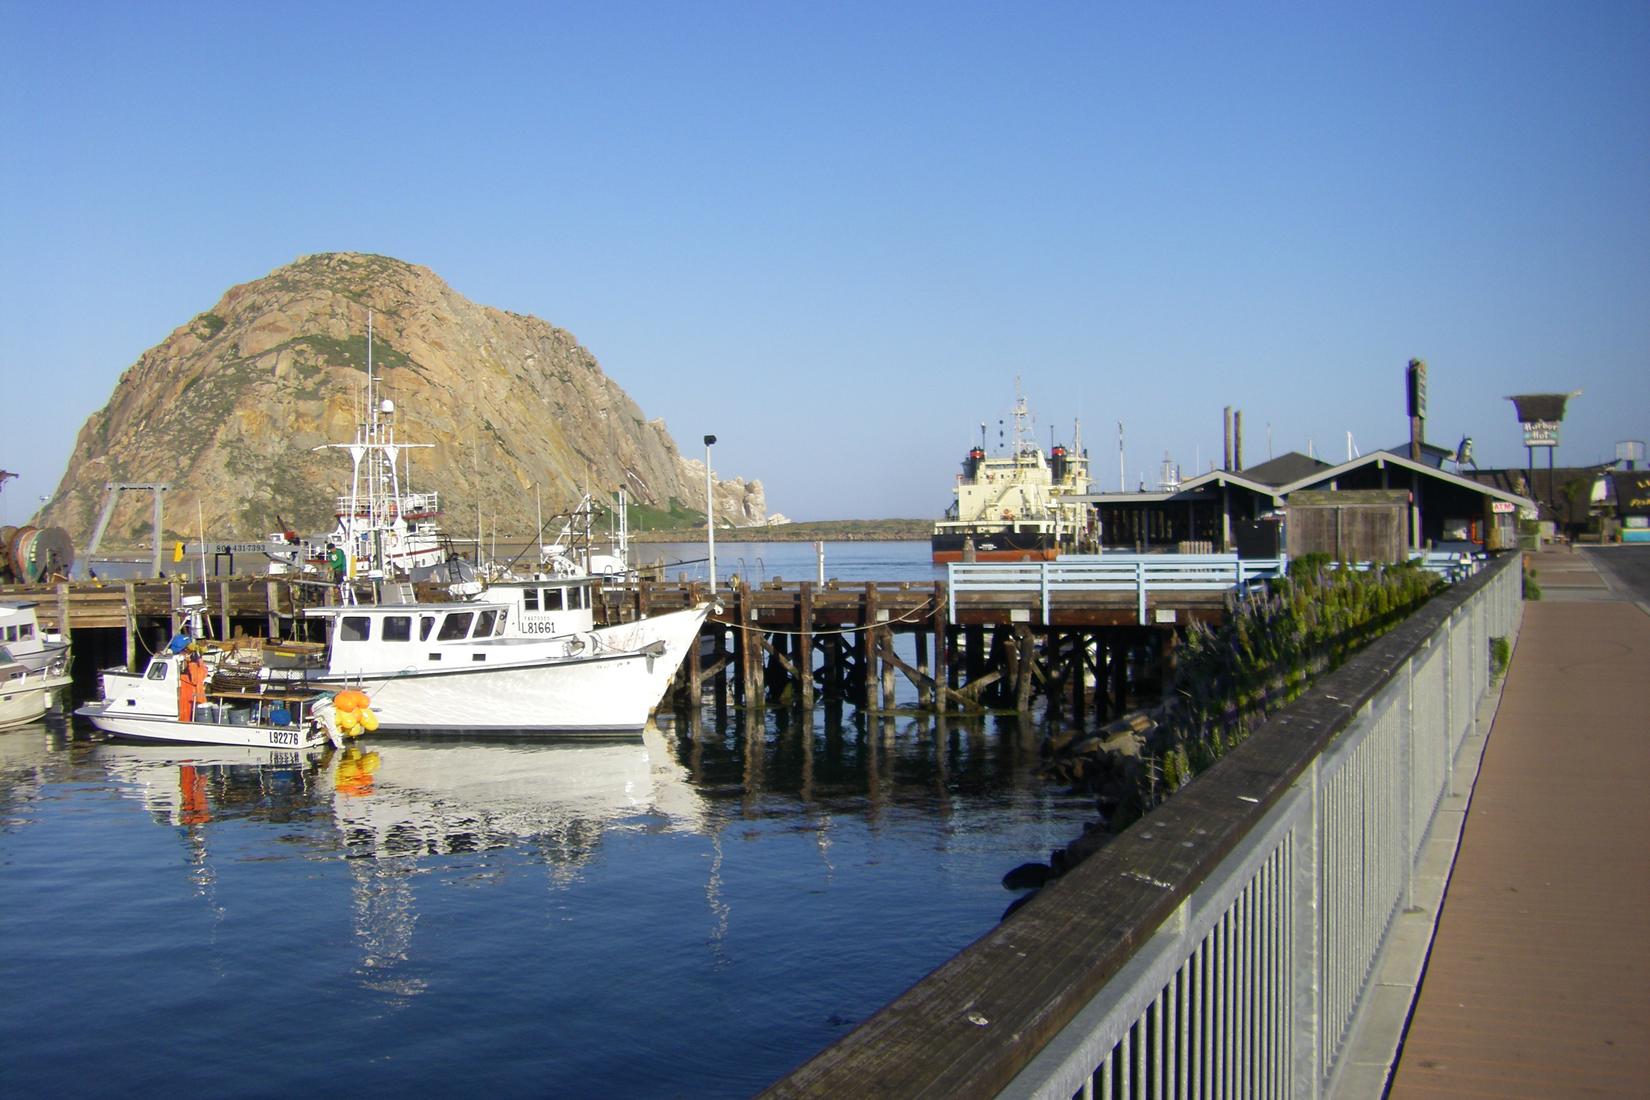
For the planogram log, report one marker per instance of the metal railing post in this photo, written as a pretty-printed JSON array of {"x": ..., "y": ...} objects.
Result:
[{"x": 1306, "y": 969}]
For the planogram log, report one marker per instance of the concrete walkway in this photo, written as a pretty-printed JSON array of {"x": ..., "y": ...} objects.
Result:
[{"x": 1538, "y": 980}]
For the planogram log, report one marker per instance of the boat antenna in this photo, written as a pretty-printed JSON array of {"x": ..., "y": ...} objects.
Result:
[{"x": 200, "y": 526}]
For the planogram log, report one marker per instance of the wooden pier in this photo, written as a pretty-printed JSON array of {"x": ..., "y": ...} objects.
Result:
[{"x": 985, "y": 646}]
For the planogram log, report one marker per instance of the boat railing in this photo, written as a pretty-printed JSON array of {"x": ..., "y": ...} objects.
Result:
[
  {"x": 407, "y": 504},
  {"x": 1140, "y": 574}
]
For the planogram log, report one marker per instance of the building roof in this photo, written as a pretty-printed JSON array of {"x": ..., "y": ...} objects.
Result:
[
  {"x": 1284, "y": 469},
  {"x": 1377, "y": 458},
  {"x": 1549, "y": 489},
  {"x": 1431, "y": 454}
]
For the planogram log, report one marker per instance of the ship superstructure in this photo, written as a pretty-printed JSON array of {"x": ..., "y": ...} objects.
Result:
[{"x": 1017, "y": 504}]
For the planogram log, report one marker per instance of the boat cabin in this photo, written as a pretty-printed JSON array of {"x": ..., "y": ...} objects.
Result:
[
  {"x": 547, "y": 606},
  {"x": 30, "y": 646}
]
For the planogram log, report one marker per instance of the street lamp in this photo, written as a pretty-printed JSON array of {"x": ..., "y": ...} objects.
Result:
[{"x": 710, "y": 514}]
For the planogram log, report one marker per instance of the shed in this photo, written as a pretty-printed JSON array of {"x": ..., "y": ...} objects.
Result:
[{"x": 1351, "y": 525}]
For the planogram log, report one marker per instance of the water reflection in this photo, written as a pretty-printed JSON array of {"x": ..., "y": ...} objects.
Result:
[
  {"x": 407, "y": 797},
  {"x": 194, "y": 785},
  {"x": 835, "y": 761},
  {"x": 29, "y": 757}
]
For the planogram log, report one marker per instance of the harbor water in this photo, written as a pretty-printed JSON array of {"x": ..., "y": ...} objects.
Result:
[{"x": 678, "y": 914}]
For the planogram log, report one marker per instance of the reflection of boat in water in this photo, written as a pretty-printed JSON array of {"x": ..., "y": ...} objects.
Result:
[
  {"x": 553, "y": 802},
  {"x": 193, "y": 784},
  {"x": 416, "y": 796}
]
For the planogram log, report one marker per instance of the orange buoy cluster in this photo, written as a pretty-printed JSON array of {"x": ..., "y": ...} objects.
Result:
[{"x": 354, "y": 712}]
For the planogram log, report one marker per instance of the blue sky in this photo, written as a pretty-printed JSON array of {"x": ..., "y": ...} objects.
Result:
[{"x": 834, "y": 234}]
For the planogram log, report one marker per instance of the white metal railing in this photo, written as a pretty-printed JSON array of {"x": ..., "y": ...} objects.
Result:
[
  {"x": 1253, "y": 987},
  {"x": 1137, "y": 573}
]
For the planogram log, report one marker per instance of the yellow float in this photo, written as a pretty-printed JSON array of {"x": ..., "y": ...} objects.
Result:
[{"x": 353, "y": 713}]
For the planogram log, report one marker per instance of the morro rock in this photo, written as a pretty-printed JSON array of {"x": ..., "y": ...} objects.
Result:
[{"x": 230, "y": 408}]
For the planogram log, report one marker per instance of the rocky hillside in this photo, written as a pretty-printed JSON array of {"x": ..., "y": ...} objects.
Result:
[{"x": 230, "y": 407}]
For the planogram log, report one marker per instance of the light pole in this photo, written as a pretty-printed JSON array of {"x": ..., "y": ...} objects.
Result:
[{"x": 710, "y": 514}]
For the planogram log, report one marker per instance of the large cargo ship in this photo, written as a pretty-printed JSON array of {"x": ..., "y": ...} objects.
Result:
[{"x": 1017, "y": 505}]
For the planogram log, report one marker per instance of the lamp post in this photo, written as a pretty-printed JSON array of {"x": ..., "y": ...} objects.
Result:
[{"x": 710, "y": 514}]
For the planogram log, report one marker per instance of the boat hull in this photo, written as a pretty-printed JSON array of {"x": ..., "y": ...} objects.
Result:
[
  {"x": 600, "y": 696},
  {"x": 995, "y": 544},
  {"x": 611, "y": 686},
  {"x": 23, "y": 705},
  {"x": 153, "y": 727}
]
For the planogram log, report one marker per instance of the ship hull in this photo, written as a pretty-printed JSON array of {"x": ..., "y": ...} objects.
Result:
[{"x": 995, "y": 544}]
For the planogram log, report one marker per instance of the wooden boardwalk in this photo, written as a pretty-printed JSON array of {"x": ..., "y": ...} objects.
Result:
[{"x": 1538, "y": 983}]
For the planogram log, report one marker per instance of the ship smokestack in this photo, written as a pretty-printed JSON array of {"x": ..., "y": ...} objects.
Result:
[
  {"x": 1237, "y": 440},
  {"x": 1226, "y": 432}
]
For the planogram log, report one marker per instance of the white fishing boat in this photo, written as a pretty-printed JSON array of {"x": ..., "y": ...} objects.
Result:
[
  {"x": 35, "y": 649},
  {"x": 24, "y": 695},
  {"x": 170, "y": 701},
  {"x": 524, "y": 656},
  {"x": 516, "y": 656},
  {"x": 384, "y": 527}
]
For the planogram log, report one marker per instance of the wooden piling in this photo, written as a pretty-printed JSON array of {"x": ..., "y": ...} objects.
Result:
[{"x": 805, "y": 645}]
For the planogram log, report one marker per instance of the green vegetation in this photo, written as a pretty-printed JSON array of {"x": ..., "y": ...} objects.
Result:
[
  {"x": 1500, "y": 657},
  {"x": 351, "y": 351},
  {"x": 210, "y": 324},
  {"x": 1532, "y": 590},
  {"x": 683, "y": 522},
  {"x": 1267, "y": 654},
  {"x": 675, "y": 519}
]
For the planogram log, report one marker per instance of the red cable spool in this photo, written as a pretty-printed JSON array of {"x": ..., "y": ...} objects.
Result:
[{"x": 35, "y": 553}]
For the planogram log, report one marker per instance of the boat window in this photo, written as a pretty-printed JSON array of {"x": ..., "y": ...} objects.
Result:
[
  {"x": 426, "y": 623},
  {"x": 530, "y": 599},
  {"x": 354, "y": 628},
  {"x": 455, "y": 626},
  {"x": 503, "y": 617},
  {"x": 552, "y": 599},
  {"x": 398, "y": 628},
  {"x": 11, "y": 633},
  {"x": 25, "y": 631},
  {"x": 157, "y": 670},
  {"x": 484, "y": 624}
]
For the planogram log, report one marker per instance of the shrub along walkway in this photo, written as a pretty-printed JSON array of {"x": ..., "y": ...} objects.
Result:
[{"x": 1538, "y": 982}]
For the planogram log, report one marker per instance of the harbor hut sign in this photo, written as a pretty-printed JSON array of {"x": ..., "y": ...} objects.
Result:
[{"x": 1539, "y": 414}]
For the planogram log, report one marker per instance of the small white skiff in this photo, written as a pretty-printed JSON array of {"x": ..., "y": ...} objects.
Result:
[
  {"x": 159, "y": 704},
  {"x": 24, "y": 695}
]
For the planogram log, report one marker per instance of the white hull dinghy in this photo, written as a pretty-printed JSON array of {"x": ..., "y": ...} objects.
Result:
[{"x": 156, "y": 705}]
